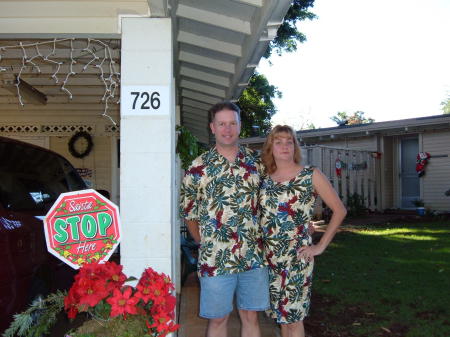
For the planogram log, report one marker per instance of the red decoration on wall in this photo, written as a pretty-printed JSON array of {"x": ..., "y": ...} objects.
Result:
[
  {"x": 338, "y": 167},
  {"x": 421, "y": 162},
  {"x": 376, "y": 155}
]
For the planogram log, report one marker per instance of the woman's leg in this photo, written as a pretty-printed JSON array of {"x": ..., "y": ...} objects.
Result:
[{"x": 293, "y": 329}]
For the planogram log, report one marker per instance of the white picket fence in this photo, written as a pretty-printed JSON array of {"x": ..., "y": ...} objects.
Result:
[{"x": 357, "y": 174}]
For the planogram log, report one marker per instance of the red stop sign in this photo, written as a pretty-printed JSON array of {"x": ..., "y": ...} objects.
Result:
[{"x": 82, "y": 227}]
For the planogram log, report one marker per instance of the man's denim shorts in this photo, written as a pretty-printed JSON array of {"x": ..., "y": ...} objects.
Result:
[{"x": 217, "y": 293}]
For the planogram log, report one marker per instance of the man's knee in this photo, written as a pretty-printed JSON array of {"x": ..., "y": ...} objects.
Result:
[
  {"x": 217, "y": 327},
  {"x": 249, "y": 317},
  {"x": 218, "y": 322}
]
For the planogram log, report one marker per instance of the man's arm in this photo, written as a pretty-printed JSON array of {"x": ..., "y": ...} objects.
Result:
[{"x": 194, "y": 230}]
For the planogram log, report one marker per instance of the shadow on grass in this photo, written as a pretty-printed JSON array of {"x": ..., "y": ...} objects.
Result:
[{"x": 374, "y": 283}]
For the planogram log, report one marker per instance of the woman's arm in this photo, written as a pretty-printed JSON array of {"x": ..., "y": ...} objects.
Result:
[
  {"x": 324, "y": 189},
  {"x": 193, "y": 227}
]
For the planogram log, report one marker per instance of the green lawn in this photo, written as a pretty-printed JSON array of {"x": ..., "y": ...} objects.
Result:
[{"x": 391, "y": 280}]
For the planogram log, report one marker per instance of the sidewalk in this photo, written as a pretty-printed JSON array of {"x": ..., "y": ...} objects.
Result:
[{"x": 194, "y": 326}]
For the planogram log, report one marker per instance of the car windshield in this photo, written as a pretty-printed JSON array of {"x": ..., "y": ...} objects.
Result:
[{"x": 32, "y": 179}]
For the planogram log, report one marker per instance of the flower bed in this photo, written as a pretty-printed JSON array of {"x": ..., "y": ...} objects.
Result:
[{"x": 115, "y": 309}]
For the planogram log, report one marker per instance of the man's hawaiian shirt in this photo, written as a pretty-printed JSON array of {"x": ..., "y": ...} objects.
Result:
[{"x": 222, "y": 196}]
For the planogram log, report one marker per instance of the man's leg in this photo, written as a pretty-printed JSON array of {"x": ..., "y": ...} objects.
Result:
[
  {"x": 217, "y": 327},
  {"x": 252, "y": 295},
  {"x": 250, "y": 323},
  {"x": 216, "y": 302}
]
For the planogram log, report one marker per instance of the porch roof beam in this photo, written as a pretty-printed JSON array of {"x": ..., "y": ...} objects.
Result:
[
  {"x": 195, "y": 104},
  {"x": 194, "y": 120},
  {"x": 202, "y": 88},
  {"x": 214, "y": 19},
  {"x": 207, "y": 62},
  {"x": 158, "y": 8},
  {"x": 204, "y": 76},
  {"x": 199, "y": 97},
  {"x": 209, "y": 43},
  {"x": 255, "y": 3},
  {"x": 196, "y": 111}
]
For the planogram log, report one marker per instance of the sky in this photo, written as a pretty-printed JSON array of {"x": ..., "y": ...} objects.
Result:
[{"x": 388, "y": 58}]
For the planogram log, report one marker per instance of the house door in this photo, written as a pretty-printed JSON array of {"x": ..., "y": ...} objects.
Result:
[{"x": 410, "y": 188}]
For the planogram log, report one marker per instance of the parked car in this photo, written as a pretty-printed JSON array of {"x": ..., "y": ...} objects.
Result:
[{"x": 31, "y": 179}]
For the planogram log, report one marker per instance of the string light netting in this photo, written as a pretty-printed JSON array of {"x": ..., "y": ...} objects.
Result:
[{"x": 64, "y": 59}]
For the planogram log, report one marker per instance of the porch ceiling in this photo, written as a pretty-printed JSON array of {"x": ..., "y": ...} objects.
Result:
[{"x": 217, "y": 45}]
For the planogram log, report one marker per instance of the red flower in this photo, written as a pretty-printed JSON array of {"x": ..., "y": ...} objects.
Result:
[
  {"x": 189, "y": 207},
  {"x": 208, "y": 270},
  {"x": 286, "y": 207},
  {"x": 249, "y": 168},
  {"x": 114, "y": 276},
  {"x": 123, "y": 303},
  {"x": 144, "y": 292},
  {"x": 70, "y": 304},
  {"x": 91, "y": 292},
  {"x": 151, "y": 298},
  {"x": 196, "y": 170},
  {"x": 281, "y": 309},
  {"x": 161, "y": 322}
]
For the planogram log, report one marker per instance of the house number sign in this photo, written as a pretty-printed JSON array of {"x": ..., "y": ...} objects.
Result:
[{"x": 145, "y": 100}]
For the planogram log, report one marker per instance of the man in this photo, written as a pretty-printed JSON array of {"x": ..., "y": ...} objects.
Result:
[{"x": 219, "y": 198}]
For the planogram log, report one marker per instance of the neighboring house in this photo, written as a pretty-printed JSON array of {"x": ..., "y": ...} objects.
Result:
[{"x": 390, "y": 149}]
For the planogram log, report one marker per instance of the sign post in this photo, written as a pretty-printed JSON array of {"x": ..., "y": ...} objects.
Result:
[{"x": 82, "y": 227}]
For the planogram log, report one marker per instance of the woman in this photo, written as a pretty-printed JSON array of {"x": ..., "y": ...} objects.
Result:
[{"x": 288, "y": 193}]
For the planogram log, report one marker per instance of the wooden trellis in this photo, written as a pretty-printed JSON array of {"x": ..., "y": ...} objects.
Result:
[{"x": 356, "y": 177}]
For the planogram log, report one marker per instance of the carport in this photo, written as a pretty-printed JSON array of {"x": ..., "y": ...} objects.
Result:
[{"x": 127, "y": 72}]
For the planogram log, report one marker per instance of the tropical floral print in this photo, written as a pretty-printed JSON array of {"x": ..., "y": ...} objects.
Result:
[
  {"x": 286, "y": 209},
  {"x": 222, "y": 196}
]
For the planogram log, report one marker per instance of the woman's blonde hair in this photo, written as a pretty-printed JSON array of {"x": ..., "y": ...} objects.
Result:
[{"x": 267, "y": 150}]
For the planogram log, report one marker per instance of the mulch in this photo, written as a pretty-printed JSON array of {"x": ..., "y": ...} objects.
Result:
[{"x": 323, "y": 323}]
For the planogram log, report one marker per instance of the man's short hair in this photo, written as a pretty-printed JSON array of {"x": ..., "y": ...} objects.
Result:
[{"x": 225, "y": 105}]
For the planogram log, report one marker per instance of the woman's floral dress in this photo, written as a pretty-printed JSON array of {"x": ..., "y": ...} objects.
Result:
[{"x": 286, "y": 209}]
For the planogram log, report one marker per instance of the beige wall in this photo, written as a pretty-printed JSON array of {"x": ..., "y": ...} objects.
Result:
[
  {"x": 100, "y": 160},
  {"x": 437, "y": 172},
  {"x": 68, "y": 16}
]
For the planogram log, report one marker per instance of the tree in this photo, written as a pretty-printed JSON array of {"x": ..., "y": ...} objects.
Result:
[
  {"x": 287, "y": 34},
  {"x": 257, "y": 106},
  {"x": 256, "y": 103},
  {"x": 343, "y": 118},
  {"x": 446, "y": 106}
]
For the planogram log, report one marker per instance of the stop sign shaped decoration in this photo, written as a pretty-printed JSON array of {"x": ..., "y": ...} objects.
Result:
[{"x": 82, "y": 227}]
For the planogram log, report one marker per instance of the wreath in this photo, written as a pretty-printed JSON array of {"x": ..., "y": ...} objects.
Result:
[{"x": 79, "y": 135}]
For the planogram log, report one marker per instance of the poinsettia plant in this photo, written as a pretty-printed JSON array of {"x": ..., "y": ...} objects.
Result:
[{"x": 146, "y": 310}]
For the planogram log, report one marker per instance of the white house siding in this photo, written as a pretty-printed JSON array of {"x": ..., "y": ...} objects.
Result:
[
  {"x": 387, "y": 176},
  {"x": 368, "y": 143},
  {"x": 437, "y": 172},
  {"x": 67, "y": 16}
]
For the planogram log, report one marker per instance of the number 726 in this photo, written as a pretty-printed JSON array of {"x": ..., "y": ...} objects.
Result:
[{"x": 146, "y": 99}]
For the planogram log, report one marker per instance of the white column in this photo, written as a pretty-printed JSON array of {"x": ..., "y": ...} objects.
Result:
[{"x": 147, "y": 151}]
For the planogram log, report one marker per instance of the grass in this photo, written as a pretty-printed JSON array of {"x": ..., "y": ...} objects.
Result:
[{"x": 391, "y": 280}]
